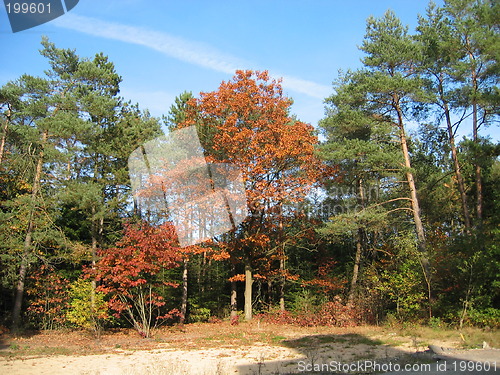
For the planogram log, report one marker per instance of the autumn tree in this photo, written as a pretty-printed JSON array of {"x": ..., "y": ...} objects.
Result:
[
  {"x": 176, "y": 116},
  {"x": 247, "y": 123},
  {"x": 131, "y": 274}
]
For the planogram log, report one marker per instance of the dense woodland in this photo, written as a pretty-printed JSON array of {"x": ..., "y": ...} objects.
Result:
[{"x": 380, "y": 212}]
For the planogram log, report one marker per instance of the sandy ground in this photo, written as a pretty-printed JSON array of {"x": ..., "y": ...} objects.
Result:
[
  {"x": 246, "y": 360},
  {"x": 224, "y": 350},
  {"x": 254, "y": 359},
  {"x": 459, "y": 362}
]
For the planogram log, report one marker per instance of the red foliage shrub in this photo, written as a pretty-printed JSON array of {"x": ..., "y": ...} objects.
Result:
[
  {"x": 130, "y": 274},
  {"x": 235, "y": 320},
  {"x": 214, "y": 320},
  {"x": 333, "y": 313},
  {"x": 48, "y": 297}
]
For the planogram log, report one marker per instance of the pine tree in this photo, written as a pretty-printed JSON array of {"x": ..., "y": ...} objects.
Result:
[
  {"x": 388, "y": 87},
  {"x": 73, "y": 126},
  {"x": 362, "y": 147}
]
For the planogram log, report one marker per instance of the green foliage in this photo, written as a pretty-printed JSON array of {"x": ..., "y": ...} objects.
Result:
[
  {"x": 65, "y": 191},
  {"x": 67, "y": 138},
  {"x": 87, "y": 307},
  {"x": 307, "y": 302},
  {"x": 402, "y": 281},
  {"x": 177, "y": 113},
  {"x": 489, "y": 317},
  {"x": 198, "y": 314},
  {"x": 436, "y": 323}
]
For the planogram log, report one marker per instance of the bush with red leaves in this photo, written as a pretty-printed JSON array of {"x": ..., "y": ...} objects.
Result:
[
  {"x": 48, "y": 298},
  {"x": 333, "y": 313}
]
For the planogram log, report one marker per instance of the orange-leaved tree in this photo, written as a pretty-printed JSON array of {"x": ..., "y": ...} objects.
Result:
[
  {"x": 247, "y": 123},
  {"x": 131, "y": 274}
]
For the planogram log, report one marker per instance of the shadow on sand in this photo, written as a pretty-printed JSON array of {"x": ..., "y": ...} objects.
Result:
[
  {"x": 6, "y": 338},
  {"x": 358, "y": 354},
  {"x": 3, "y": 342}
]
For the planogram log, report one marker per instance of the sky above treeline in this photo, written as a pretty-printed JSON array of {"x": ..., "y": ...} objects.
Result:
[{"x": 162, "y": 48}]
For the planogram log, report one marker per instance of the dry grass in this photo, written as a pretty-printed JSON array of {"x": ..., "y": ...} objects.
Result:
[
  {"x": 259, "y": 348},
  {"x": 216, "y": 335},
  {"x": 467, "y": 337}
]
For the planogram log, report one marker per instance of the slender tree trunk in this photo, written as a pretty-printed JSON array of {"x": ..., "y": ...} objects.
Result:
[
  {"x": 475, "y": 128},
  {"x": 359, "y": 246},
  {"x": 269, "y": 293},
  {"x": 282, "y": 263},
  {"x": 248, "y": 290},
  {"x": 137, "y": 208},
  {"x": 414, "y": 198},
  {"x": 4, "y": 134},
  {"x": 96, "y": 230},
  {"x": 202, "y": 273},
  {"x": 184, "y": 292},
  {"x": 23, "y": 269},
  {"x": 411, "y": 184},
  {"x": 234, "y": 301},
  {"x": 282, "y": 282},
  {"x": 355, "y": 271},
  {"x": 424, "y": 259},
  {"x": 93, "y": 233},
  {"x": 18, "y": 301},
  {"x": 456, "y": 164},
  {"x": 477, "y": 167}
]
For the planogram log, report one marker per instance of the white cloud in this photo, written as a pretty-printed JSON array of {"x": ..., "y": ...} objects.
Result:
[
  {"x": 309, "y": 88},
  {"x": 185, "y": 50},
  {"x": 181, "y": 49}
]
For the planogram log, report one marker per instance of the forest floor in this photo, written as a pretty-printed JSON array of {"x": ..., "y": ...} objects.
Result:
[{"x": 221, "y": 349}]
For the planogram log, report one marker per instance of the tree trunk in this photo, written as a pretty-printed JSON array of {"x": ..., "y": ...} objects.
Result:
[
  {"x": 477, "y": 167},
  {"x": 456, "y": 164},
  {"x": 248, "y": 290},
  {"x": 234, "y": 301},
  {"x": 282, "y": 264},
  {"x": 414, "y": 198},
  {"x": 184, "y": 292},
  {"x": 96, "y": 231},
  {"x": 475, "y": 134},
  {"x": 355, "y": 271},
  {"x": 359, "y": 246},
  {"x": 269, "y": 293},
  {"x": 4, "y": 134},
  {"x": 202, "y": 274},
  {"x": 282, "y": 282},
  {"x": 18, "y": 299},
  {"x": 93, "y": 234},
  {"x": 422, "y": 248}
]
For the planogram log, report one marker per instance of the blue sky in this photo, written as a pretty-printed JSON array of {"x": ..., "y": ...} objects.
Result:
[{"x": 162, "y": 48}]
